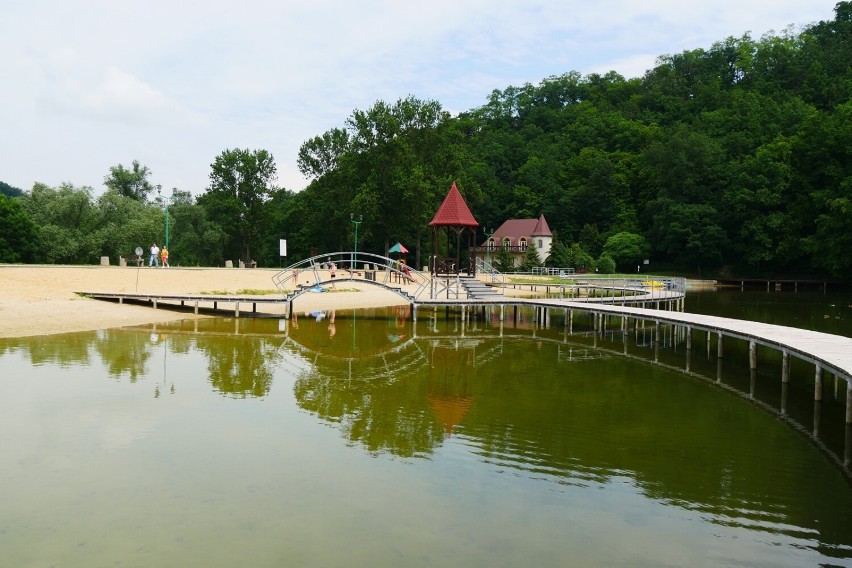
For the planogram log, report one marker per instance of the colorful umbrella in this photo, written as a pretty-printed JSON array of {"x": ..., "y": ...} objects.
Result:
[{"x": 398, "y": 248}]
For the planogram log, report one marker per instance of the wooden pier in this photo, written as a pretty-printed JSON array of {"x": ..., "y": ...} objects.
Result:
[
  {"x": 776, "y": 284},
  {"x": 827, "y": 353}
]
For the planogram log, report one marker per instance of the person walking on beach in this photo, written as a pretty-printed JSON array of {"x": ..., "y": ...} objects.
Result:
[
  {"x": 155, "y": 256},
  {"x": 165, "y": 256}
]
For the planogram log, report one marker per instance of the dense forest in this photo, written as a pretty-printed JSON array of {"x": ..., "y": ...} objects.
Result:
[{"x": 732, "y": 160}]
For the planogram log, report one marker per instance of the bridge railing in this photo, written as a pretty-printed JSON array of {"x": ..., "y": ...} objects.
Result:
[
  {"x": 362, "y": 266},
  {"x": 483, "y": 267}
]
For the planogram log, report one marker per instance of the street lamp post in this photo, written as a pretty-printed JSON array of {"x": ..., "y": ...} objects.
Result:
[
  {"x": 356, "y": 223},
  {"x": 166, "y": 201}
]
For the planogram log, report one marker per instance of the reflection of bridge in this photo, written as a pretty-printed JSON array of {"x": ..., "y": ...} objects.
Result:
[{"x": 418, "y": 350}]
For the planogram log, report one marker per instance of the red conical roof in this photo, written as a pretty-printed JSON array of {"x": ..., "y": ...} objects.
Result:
[
  {"x": 454, "y": 211},
  {"x": 541, "y": 228}
]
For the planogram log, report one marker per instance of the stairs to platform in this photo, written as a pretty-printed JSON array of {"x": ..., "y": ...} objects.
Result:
[{"x": 477, "y": 289}]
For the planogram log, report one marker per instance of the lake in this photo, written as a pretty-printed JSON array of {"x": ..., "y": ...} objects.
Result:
[{"x": 360, "y": 438}]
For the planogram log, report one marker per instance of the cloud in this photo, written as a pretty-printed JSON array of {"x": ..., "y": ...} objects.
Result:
[
  {"x": 173, "y": 84},
  {"x": 118, "y": 96}
]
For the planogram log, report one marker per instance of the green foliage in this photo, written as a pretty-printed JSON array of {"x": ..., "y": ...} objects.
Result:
[
  {"x": 626, "y": 250},
  {"x": 20, "y": 240},
  {"x": 9, "y": 191},
  {"x": 503, "y": 260},
  {"x": 731, "y": 157},
  {"x": 241, "y": 182},
  {"x": 131, "y": 183},
  {"x": 577, "y": 258},
  {"x": 124, "y": 223},
  {"x": 531, "y": 258},
  {"x": 605, "y": 264},
  {"x": 68, "y": 221}
]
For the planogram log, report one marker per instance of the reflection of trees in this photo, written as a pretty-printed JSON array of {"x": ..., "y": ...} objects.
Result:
[
  {"x": 63, "y": 350},
  {"x": 126, "y": 352},
  {"x": 239, "y": 365},
  {"x": 386, "y": 415},
  {"x": 397, "y": 397},
  {"x": 593, "y": 420}
]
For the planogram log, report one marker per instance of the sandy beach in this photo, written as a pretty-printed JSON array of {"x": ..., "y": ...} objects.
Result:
[{"x": 43, "y": 300}]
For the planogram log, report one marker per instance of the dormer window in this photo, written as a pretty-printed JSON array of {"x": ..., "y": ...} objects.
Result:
[
  {"x": 507, "y": 242},
  {"x": 492, "y": 245},
  {"x": 523, "y": 244}
]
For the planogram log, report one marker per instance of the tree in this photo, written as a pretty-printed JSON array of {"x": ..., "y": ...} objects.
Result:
[
  {"x": 68, "y": 221},
  {"x": 20, "y": 240},
  {"x": 503, "y": 260},
  {"x": 531, "y": 258},
  {"x": 688, "y": 233},
  {"x": 131, "y": 183},
  {"x": 124, "y": 224},
  {"x": 605, "y": 264},
  {"x": 626, "y": 249},
  {"x": 199, "y": 242},
  {"x": 9, "y": 191},
  {"x": 577, "y": 258},
  {"x": 241, "y": 182},
  {"x": 322, "y": 154}
]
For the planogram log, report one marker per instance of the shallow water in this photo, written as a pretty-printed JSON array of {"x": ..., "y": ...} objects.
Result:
[{"x": 363, "y": 439}]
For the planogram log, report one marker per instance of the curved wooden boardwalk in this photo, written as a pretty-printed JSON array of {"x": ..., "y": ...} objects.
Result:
[{"x": 828, "y": 353}]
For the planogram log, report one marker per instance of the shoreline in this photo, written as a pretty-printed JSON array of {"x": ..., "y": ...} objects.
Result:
[{"x": 42, "y": 299}]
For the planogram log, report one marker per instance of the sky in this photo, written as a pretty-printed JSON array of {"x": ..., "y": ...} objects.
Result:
[{"x": 87, "y": 85}]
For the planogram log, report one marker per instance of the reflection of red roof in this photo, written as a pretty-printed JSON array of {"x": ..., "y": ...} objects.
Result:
[
  {"x": 454, "y": 211},
  {"x": 514, "y": 229},
  {"x": 450, "y": 411}
]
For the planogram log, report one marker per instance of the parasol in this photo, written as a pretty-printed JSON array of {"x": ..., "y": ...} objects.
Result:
[{"x": 398, "y": 247}]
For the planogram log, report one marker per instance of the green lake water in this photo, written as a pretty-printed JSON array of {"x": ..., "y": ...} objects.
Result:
[{"x": 363, "y": 439}]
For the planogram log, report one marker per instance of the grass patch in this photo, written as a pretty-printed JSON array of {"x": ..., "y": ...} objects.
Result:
[{"x": 241, "y": 292}]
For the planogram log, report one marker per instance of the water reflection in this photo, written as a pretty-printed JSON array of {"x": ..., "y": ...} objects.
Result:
[{"x": 524, "y": 398}]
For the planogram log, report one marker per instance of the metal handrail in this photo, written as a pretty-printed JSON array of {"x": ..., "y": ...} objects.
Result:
[{"x": 347, "y": 262}]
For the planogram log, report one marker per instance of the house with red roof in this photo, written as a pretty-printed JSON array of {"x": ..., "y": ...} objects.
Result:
[{"x": 516, "y": 236}]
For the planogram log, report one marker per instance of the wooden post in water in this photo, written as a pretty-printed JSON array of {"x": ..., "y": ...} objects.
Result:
[
  {"x": 195, "y": 310},
  {"x": 688, "y": 347},
  {"x": 818, "y": 383},
  {"x": 501, "y": 312},
  {"x": 752, "y": 355},
  {"x": 848, "y": 402},
  {"x": 785, "y": 366},
  {"x": 708, "y": 344},
  {"x": 155, "y": 303},
  {"x": 817, "y": 416},
  {"x": 236, "y": 310},
  {"x": 720, "y": 349},
  {"x": 656, "y": 341}
]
